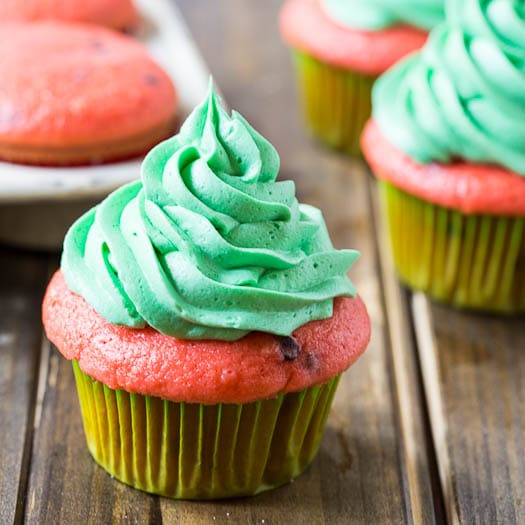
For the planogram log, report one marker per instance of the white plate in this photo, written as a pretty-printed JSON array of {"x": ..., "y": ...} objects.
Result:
[{"x": 168, "y": 40}]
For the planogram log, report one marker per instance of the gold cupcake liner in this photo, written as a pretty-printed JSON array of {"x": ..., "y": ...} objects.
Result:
[
  {"x": 335, "y": 102},
  {"x": 470, "y": 261},
  {"x": 196, "y": 451}
]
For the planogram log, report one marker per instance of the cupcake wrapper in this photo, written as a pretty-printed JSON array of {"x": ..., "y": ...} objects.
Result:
[
  {"x": 335, "y": 102},
  {"x": 471, "y": 261},
  {"x": 195, "y": 451}
]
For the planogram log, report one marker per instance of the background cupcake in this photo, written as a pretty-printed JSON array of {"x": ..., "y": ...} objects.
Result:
[
  {"x": 73, "y": 94},
  {"x": 340, "y": 47},
  {"x": 447, "y": 141},
  {"x": 198, "y": 307}
]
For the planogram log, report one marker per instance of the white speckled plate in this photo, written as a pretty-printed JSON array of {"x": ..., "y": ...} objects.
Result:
[
  {"x": 168, "y": 40},
  {"x": 40, "y": 202}
]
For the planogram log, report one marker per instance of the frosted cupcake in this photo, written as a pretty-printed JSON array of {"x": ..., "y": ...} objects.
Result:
[
  {"x": 339, "y": 49},
  {"x": 447, "y": 141},
  {"x": 208, "y": 318}
]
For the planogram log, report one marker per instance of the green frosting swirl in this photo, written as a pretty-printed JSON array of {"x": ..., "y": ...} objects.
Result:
[
  {"x": 207, "y": 245},
  {"x": 372, "y": 15},
  {"x": 463, "y": 95}
]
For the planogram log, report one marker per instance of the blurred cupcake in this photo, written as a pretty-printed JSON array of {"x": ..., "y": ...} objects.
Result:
[
  {"x": 339, "y": 49},
  {"x": 198, "y": 308},
  {"x": 73, "y": 94},
  {"x": 117, "y": 14},
  {"x": 447, "y": 141}
]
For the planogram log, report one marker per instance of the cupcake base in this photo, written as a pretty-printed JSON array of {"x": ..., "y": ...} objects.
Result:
[
  {"x": 335, "y": 102},
  {"x": 196, "y": 451},
  {"x": 471, "y": 261}
]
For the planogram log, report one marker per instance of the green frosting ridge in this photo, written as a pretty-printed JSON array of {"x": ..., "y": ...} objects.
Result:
[
  {"x": 463, "y": 95},
  {"x": 373, "y": 15},
  {"x": 207, "y": 245}
]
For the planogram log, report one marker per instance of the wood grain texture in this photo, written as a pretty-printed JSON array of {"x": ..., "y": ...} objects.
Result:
[
  {"x": 65, "y": 484},
  {"x": 418, "y": 455},
  {"x": 474, "y": 370},
  {"x": 21, "y": 287}
]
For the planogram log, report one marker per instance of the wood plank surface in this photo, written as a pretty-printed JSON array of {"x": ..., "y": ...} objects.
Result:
[
  {"x": 65, "y": 484},
  {"x": 474, "y": 373},
  {"x": 420, "y": 460},
  {"x": 21, "y": 288}
]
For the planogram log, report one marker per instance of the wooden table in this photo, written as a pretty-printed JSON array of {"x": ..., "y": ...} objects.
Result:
[{"x": 428, "y": 426}]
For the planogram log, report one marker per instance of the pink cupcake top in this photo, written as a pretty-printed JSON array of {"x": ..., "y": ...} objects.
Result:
[
  {"x": 465, "y": 186},
  {"x": 76, "y": 84},
  {"x": 305, "y": 26},
  {"x": 258, "y": 366},
  {"x": 118, "y": 14}
]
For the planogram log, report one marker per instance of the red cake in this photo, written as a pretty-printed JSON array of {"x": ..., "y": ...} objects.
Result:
[
  {"x": 79, "y": 94},
  {"x": 117, "y": 14},
  {"x": 465, "y": 186},
  {"x": 305, "y": 27},
  {"x": 258, "y": 366}
]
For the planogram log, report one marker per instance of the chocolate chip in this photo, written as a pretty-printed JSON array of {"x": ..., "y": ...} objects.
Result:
[
  {"x": 312, "y": 362},
  {"x": 151, "y": 79},
  {"x": 289, "y": 348}
]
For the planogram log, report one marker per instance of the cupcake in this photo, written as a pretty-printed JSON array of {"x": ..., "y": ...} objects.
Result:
[
  {"x": 447, "y": 142},
  {"x": 117, "y": 14},
  {"x": 208, "y": 318},
  {"x": 339, "y": 49},
  {"x": 75, "y": 94}
]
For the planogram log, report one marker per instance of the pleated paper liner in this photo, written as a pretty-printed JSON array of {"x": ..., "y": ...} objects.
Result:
[
  {"x": 194, "y": 451},
  {"x": 470, "y": 261},
  {"x": 335, "y": 102}
]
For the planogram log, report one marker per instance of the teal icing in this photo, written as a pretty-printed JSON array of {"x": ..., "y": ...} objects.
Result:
[
  {"x": 208, "y": 245},
  {"x": 373, "y": 15},
  {"x": 463, "y": 95}
]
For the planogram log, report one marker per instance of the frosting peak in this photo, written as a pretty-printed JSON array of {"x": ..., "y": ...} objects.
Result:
[
  {"x": 463, "y": 95},
  {"x": 208, "y": 245},
  {"x": 229, "y": 144},
  {"x": 373, "y": 15}
]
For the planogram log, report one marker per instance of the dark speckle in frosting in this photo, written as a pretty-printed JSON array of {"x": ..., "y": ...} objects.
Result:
[{"x": 290, "y": 348}]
